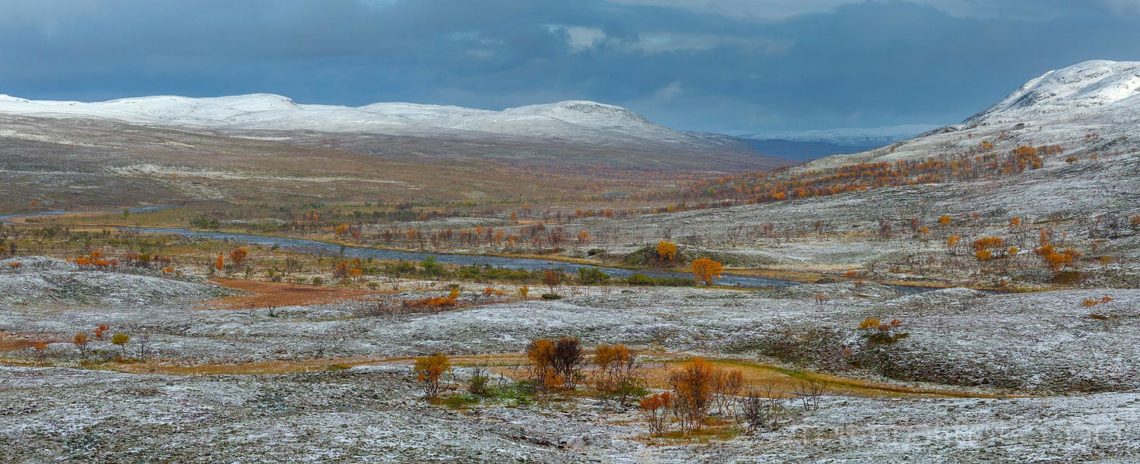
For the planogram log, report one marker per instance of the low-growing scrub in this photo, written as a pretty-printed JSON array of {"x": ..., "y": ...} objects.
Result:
[
  {"x": 592, "y": 276},
  {"x": 617, "y": 376},
  {"x": 451, "y": 300}
]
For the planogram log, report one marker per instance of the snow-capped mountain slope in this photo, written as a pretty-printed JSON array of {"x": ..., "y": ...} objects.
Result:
[
  {"x": 570, "y": 120},
  {"x": 1104, "y": 89},
  {"x": 1093, "y": 106}
]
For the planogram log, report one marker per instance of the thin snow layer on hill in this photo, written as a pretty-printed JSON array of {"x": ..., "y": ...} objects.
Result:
[
  {"x": 573, "y": 120},
  {"x": 1039, "y": 341},
  {"x": 1092, "y": 106},
  {"x": 45, "y": 281}
]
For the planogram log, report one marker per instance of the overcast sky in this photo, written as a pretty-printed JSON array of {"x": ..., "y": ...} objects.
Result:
[{"x": 713, "y": 65}]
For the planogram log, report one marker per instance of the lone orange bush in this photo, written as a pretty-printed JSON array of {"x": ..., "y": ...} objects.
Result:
[
  {"x": 552, "y": 278},
  {"x": 121, "y": 340},
  {"x": 238, "y": 256},
  {"x": 80, "y": 342},
  {"x": 540, "y": 352},
  {"x": 706, "y": 270},
  {"x": 666, "y": 251},
  {"x": 616, "y": 377},
  {"x": 583, "y": 237},
  {"x": 429, "y": 370}
]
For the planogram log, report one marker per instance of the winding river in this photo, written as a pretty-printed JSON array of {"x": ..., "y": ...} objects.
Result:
[{"x": 529, "y": 264}]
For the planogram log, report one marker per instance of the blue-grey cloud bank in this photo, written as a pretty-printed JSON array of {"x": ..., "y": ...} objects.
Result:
[{"x": 711, "y": 65}]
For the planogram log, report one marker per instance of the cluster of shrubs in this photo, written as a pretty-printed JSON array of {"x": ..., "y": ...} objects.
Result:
[
  {"x": 699, "y": 393},
  {"x": 614, "y": 373},
  {"x": 82, "y": 342},
  {"x": 876, "y": 332},
  {"x": 699, "y": 390}
]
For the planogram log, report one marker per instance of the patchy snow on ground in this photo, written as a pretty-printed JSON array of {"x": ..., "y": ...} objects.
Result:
[
  {"x": 1042, "y": 343},
  {"x": 1047, "y": 341},
  {"x": 377, "y": 415}
]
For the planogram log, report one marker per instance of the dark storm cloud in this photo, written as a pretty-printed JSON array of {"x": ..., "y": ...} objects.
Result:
[{"x": 727, "y": 65}]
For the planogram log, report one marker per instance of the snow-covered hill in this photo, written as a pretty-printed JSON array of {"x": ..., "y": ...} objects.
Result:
[
  {"x": 1107, "y": 91},
  {"x": 1093, "y": 106},
  {"x": 584, "y": 121}
]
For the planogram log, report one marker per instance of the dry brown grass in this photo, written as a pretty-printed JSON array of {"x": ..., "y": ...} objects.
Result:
[{"x": 214, "y": 172}]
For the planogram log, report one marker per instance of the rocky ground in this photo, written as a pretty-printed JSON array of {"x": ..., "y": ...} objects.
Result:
[{"x": 1079, "y": 371}]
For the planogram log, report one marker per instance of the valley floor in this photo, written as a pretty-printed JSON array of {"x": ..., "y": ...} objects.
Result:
[{"x": 1008, "y": 377}]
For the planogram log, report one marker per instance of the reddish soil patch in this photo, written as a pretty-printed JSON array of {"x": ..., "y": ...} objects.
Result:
[
  {"x": 17, "y": 342},
  {"x": 268, "y": 294}
]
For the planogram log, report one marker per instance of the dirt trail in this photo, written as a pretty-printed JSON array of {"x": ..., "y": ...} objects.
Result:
[
  {"x": 257, "y": 294},
  {"x": 17, "y": 341}
]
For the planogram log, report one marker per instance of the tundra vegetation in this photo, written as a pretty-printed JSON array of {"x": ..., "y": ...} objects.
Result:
[{"x": 945, "y": 293}]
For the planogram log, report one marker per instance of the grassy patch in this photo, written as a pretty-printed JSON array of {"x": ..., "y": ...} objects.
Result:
[
  {"x": 460, "y": 401},
  {"x": 514, "y": 394}
]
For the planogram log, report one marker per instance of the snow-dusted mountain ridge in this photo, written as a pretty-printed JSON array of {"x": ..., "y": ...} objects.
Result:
[
  {"x": 1091, "y": 88},
  {"x": 571, "y": 120}
]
